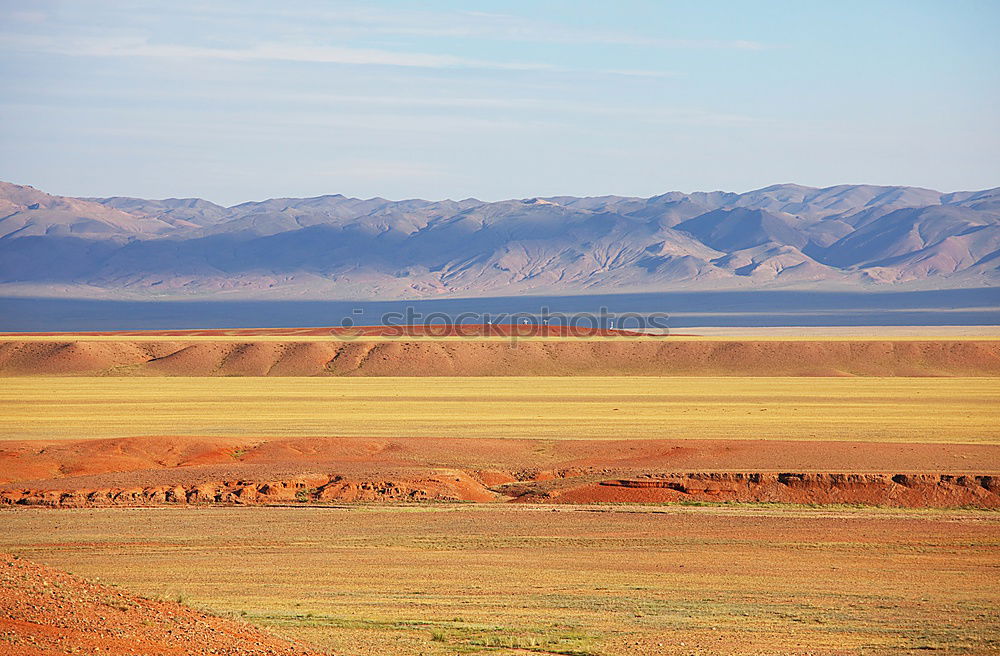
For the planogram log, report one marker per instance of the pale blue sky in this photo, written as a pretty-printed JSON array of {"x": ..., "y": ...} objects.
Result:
[{"x": 242, "y": 100}]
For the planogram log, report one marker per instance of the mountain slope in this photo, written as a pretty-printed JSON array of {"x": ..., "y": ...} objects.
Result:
[
  {"x": 26, "y": 212},
  {"x": 338, "y": 247}
]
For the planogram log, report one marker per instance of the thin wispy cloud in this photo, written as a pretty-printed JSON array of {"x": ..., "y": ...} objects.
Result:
[
  {"x": 319, "y": 54},
  {"x": 340, "y": 33},
  {"x": 498, "y": 27},
  {"x": 286, "y": 52},
  {"x": 140, "y": 47},
  {"x": 363, "y": 21},
  {"x": 441, "y": 112}
]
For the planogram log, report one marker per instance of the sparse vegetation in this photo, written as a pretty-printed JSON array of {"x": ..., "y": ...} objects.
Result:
[{"x": 739, "y": 579}]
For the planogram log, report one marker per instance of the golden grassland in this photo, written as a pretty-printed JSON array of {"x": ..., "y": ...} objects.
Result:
[
  {"x": 585, "y": 580},
  {"x": 955, "y": 410}
]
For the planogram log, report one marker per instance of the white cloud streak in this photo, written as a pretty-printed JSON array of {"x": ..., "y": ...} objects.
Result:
[
  {"x": 346, "y": 19},
  {"x": 492, "y": 26},
  {"x": 140, "y": 47}
]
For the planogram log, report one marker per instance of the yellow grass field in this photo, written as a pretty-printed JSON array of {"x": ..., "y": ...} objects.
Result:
[
  {"x": 956, "y": 410},
  {"x": 440, "y": 580}
]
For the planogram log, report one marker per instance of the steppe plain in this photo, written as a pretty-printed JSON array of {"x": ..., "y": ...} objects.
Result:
[{"x": 718, "y": 495}]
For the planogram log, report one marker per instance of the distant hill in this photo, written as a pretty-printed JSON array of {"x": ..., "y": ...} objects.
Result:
[{"x": 784, "y": 236}]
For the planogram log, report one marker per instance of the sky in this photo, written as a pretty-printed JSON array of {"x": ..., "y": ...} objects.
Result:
[{"x": 246, "y": 99}]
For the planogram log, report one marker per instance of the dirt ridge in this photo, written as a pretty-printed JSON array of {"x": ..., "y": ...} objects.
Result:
[
  {"x": 911, "y": 490},
  {"x": 147, "y": 460},
  {"x": 621, "y": 357}
]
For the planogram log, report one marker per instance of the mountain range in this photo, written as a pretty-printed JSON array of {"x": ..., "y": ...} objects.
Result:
[{"x": 782, "y": 236}]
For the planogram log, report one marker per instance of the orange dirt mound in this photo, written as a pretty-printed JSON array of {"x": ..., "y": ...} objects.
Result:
[
  {"x": 47, "y": 611},
  {"x": 427, "y": 486},
  {"x": 623, "y": 357},
  {"x": 152, "y": 471},
  {"x": 497, "y": 461},
  {"x": 906, "y": 490}
]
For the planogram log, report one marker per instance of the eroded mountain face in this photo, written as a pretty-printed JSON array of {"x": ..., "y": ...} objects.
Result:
[{"x": 842, "y": 237}]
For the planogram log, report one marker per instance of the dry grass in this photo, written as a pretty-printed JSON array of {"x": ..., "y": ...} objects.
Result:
[
  {"x": 447, "y": 579},
  {"x": 956, "y": 410}
]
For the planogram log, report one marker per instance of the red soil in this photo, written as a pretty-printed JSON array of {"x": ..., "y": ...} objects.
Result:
[
  {"x": 150, "y": 471},
  {"x": 906, "y": 490},
  {"x": 622, "y": 357},
  {"x": 47, "y": 611}
]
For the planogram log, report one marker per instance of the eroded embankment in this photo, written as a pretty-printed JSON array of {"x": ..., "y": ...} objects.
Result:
[
  {"x": 904, "y": 490},
  {"x": 901, "y": 490},
  {"x": 624, "y": 357},
  {"x": 455, "y": 486},
  {"x": 142, "y": 471}
]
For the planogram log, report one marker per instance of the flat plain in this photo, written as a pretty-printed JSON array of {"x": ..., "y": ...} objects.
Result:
[
  {"x": 453, "y": 579},
  {"x": 953, "y": 410}
]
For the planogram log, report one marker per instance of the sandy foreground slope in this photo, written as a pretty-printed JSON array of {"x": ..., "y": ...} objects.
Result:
[{"x": 46, "y": 611}]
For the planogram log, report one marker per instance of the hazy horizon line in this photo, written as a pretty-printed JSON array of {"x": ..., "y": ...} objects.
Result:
[{"x": 501, "y": 200}]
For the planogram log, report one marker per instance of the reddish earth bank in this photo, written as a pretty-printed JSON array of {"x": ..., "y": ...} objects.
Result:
[
  {"x": 47, "y": 611},
  {"x": 621, "y": 357},
  {"x": 907, "y": 490},
  {"x": 904, "y": 490},
  {"x": 153, "y": 471}
]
